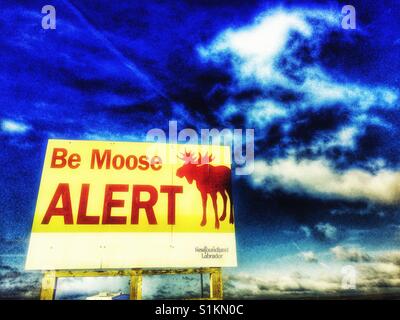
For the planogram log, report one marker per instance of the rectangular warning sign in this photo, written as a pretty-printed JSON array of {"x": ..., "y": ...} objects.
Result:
[{"x": 128, "y": 204}]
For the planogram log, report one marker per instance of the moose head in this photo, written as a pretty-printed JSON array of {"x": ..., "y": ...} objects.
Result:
[{"x": 188, "y": 169}]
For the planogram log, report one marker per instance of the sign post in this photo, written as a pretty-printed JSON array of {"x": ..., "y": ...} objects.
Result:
[
  {"x": 136, "y": 285},
  {"x": 125, "y": 208},
  {"x": 49, "y": 281}
]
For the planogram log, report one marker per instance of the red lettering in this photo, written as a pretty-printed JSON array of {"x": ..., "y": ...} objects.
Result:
[
  {"x": 105, "y": 158},
  {"x": 83, "y": 218},
  {"x": 100, "y": 161},
  {"x": 156, "y": 163},
  {"x": 115, "y": 161},
  {"x": 59, "y": 155},
  {"x": 58, "y": 159},
  {"x": 171, "y": 191},
  {"x": 144, "y": 163},
  {"x": 65, "y": 211},
  {"x": 146, "y": 205},
  {"x": 74, "y": 161},
  {"x": 129, "y": 165},
  {"x": 110, "y": 203}
]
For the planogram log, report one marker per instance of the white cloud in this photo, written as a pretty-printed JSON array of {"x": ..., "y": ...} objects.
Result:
[
  {"x": 308, "y": 256},
  {"x": 378, "y": 277},
  {"x": 350, "y": 254},
  {"x": 318, "y": 177},
  {"x": 259, "y": 113},
  {"x": 346, "y": 137},
  {"x": 110, "y": 136},
  {"x": 14, "y": 127},
  {"x": 320, "y": 89},
  {"x": 263, "y": 112},
  {"x": 254, "y": 49},
  {"x": 295, "y": 284},
  {"x": 326, "y": 230},
  {"x": 306, "y": 230},
  {"x": 390, "y": 257},
  {"x": 255, "y": 53},
  {"x": 378, "y": 274}
]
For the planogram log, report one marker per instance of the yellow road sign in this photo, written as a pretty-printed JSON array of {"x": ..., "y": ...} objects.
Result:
[{"x": 123, "y": 204}]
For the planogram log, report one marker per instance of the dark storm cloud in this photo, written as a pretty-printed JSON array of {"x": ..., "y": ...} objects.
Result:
[{"x": 15, "y": 284}]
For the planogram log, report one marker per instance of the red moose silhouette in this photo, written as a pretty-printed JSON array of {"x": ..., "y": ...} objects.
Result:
[{"x": 209, "y": 180}]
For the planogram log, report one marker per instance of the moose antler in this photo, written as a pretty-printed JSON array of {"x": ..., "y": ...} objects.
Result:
[
  {"x": 188, "y": 157},
  {"x": 205, "y": 159}
]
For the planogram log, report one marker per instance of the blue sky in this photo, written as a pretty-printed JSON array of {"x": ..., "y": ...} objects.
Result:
[{"x": 324, "y": 103}]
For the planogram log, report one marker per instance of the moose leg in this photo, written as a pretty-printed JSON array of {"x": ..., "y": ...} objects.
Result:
[
  {"x": 214, "y": 201},
  {"x": 231, "y": 217},
  {"x": 224, "y": 199},
  {"x": 204, "y": 199}
]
